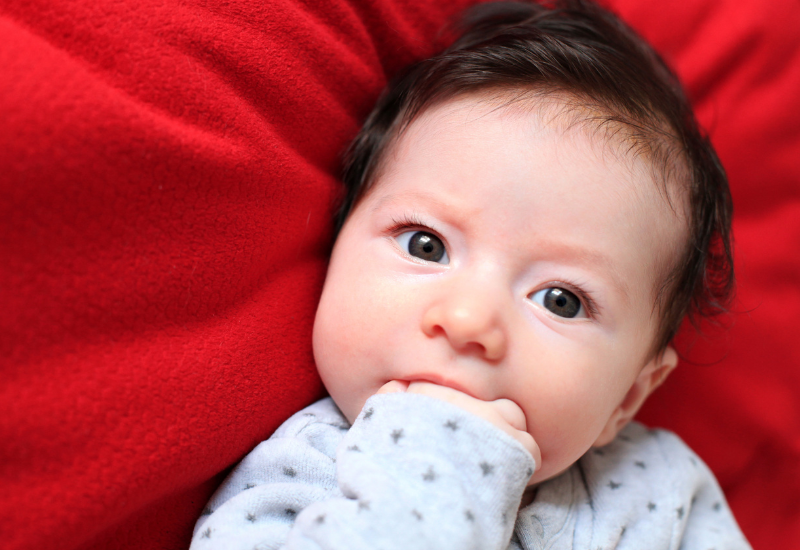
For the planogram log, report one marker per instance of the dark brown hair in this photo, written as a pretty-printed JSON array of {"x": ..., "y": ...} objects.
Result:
[{"x": 577, "y": 49}]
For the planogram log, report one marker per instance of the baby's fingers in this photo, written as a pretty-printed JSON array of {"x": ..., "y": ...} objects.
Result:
[
  {"x": 517, "y": 427},
  {"x": 511, "y": 413},
  {"x": 393, "y": 386}
]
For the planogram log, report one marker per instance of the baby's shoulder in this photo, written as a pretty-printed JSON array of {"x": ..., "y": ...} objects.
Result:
[
  {"x": 646, "y": 471},
  {"x": 646, "y": 485},
  {"x": 638, "y": 447},
  {"x": 655, "y": 457}
]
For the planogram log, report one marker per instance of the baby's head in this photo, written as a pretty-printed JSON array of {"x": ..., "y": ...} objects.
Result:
[{"x": 530, "y": 215}]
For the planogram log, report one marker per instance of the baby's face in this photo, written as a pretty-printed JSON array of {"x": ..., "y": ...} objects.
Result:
[{"x": 500, "y": 256}]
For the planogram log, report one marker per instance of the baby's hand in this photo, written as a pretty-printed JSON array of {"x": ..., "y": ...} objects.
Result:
[{"x": 503, "y": 413}]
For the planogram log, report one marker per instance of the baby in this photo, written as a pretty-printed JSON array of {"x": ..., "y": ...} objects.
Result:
[{"x": 529, "y": 217}]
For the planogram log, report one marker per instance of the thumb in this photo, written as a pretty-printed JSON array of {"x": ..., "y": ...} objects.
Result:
[{"x": 393, "y": 386}]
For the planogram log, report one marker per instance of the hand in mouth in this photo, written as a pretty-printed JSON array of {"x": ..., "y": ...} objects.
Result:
[{"x": 503, "y": 413}]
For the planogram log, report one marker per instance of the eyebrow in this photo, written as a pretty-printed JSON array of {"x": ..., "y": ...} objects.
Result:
[
  {"x": 407, "y": 195},
  {"x": 588, "y": 256}
]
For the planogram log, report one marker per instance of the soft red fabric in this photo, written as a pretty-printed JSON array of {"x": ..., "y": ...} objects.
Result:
[{"x": 167, "y": 170}]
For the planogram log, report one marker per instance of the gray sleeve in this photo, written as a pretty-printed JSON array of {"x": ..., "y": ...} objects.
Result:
[
  {"x": 256, "y": 506},
  {"x": 412, "y": 472}
]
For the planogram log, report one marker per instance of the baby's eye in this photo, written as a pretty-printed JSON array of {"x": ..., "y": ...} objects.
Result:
[
  {"x": 559, "y": 301},
  {"x": 423, "y": 245}
]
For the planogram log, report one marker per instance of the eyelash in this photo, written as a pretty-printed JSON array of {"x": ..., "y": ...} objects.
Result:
[{"x": 413, "y": 221}]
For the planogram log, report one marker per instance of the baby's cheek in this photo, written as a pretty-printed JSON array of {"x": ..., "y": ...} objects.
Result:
[
  {"x": 343, "y": 363},
  {"x": 340, "y": 381},
  {"x": 573, "y": 402}
]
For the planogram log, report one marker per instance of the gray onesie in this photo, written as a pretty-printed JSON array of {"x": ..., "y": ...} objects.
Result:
[{"x": 415, "y": 472}]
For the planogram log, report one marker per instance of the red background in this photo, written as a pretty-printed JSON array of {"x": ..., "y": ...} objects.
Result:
[{"x": 167, "y": 174}]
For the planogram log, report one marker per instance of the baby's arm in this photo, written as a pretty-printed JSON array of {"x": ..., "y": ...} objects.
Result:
[{"x": 413, "y": 472}]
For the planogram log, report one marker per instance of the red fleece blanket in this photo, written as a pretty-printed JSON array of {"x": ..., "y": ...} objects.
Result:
[{"x": 167, "y": 175}]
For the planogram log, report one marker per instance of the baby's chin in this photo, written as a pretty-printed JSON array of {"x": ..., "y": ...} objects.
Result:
[{"x": 349, "y": 413}]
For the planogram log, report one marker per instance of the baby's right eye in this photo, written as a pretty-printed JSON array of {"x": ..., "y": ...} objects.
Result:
[{"x": 423, "y": 245}]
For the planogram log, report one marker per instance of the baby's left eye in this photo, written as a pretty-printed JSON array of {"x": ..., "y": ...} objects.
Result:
[{"x": 560, "y": 301}]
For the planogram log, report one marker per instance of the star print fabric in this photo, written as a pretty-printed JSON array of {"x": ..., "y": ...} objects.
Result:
[
  {"x": 413, "y": 472},
  {"x": 646, "y": 489},
  {"x": 416, "y": 473}
]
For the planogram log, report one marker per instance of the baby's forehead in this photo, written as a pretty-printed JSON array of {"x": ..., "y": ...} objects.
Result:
[{"x": 648, "y": 149}]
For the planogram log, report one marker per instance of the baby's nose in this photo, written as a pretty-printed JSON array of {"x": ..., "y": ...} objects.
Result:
[{"x": 471, "y": 325}]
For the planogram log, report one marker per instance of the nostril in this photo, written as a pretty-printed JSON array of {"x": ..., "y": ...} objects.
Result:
[
  {"x": 435, "y": 330},
  {"x": 474, "y": 348}
]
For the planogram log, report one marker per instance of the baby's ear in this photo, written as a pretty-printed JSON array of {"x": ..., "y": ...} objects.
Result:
[{"x": 652, "y": 375}]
